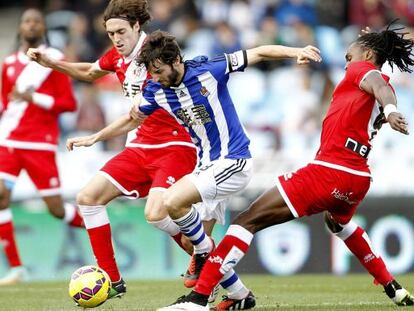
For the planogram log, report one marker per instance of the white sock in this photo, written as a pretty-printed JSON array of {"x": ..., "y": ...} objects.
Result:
[
  {"x": 167, "y": 225},
  {"x": 192, "y": 227},
  {"x": 347, "y": 230},
  {"x": 5, "y": 216},
  {"x": 234, "y": 286},
  {"x": 70, "y": 212},
  {"x": 94, "y": 216}
]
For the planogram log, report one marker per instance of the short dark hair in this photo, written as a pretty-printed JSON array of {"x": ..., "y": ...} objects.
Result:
[
  {"x": 131, "y": 10},
  {"x": 159, "y": 46},
  {"x": 390, "y": 46}
]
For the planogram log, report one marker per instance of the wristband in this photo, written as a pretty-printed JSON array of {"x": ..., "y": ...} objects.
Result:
[
  {"x": 389, "y": 108},
  {"x": 43, "y": 100}
]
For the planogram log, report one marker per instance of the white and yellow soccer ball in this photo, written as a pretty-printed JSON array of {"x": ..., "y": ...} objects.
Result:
[{"x": 89, "y": 286}]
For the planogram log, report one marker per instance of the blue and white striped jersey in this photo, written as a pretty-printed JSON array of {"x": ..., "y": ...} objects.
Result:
[{"x": 203, "y": 105}]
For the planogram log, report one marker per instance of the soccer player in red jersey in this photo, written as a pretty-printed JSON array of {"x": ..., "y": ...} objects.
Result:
[
  {"x": 339, "y": 177},
  {"x": 148, "y": 164},
  {"x": 33, "y": 98}
]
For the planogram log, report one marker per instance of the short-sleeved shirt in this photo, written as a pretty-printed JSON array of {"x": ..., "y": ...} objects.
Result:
[
  {"x": 352, "y": 121},
  {"x": 203, "y": 105},
  {"x": 159, "y": 130}
]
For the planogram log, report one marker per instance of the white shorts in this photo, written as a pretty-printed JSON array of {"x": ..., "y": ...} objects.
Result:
[
  {"x": 217, "y": 181},
  {"x": 215, "y": 209}
]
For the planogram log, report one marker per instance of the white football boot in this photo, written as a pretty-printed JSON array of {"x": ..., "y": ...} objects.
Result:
[
  {"x": 399, "y": 295},
  {"x": 14, "y": 276},
  {"x": 191, "y": 302}
]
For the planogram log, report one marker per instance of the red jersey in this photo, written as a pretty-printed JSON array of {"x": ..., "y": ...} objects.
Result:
[
  {"x": 353, "y": 119},
  {"x": 33, "y": 125},
  {"x": 158, "y": 130}
]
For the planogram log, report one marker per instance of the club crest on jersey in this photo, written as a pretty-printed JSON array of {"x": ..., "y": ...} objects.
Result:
[
  {"x": 204, "y": 91},
  {"x": 139, "y": 70}
]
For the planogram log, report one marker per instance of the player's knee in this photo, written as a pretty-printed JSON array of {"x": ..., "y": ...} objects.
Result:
[
  {"x": 4, "y": 198},
  {"x": 85, "y": 197},
  {"x": 155, "y": 213},
  {"x": 56, "y": 210},
  {"x": 332, "y": 225},
  {"x": 246, "y": 221},
  {"x": 170, "y": 203}
]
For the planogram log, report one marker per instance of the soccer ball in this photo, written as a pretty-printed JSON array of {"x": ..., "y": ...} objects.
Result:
[{"x": 89, "y": 286}]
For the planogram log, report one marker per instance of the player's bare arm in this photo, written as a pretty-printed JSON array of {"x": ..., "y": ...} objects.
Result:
[
  {"x": 274, "y": 52},
  {"x": 80, "y": 71},
  {"x": 135, "y": 113},
  {"x": 119, "y": 127},
  {"x": 374, "y": 84}
]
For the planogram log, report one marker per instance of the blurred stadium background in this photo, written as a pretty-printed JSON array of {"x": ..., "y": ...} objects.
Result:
[{"x": 280, "y": 104}]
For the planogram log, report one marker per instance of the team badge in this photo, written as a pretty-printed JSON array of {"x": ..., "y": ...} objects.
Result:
[{"x": 204, "y": 91}]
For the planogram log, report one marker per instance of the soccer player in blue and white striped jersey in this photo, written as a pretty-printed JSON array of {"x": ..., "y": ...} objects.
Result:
[{"x": 195, "y": 92}]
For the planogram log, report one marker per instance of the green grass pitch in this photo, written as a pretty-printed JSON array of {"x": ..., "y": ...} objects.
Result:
[{"x": 299, "y": 292}]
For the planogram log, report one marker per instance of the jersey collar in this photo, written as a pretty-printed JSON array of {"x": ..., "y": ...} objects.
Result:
[{"x": 136, "y": 49}]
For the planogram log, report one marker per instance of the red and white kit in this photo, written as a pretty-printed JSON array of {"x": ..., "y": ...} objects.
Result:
[
  {"x": 339, "y": 177},
  {"x": 132, "y": 171},
  {"x": 29, "y": 131}
]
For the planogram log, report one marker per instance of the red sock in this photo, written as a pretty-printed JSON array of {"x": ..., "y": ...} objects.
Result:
[
  {"x": 210, "y": 275},
  {"x": 177, "y": 238},
  {"x": 9, "y": 242},
  {"x": 77, "y": 220},
  {"x": 101, "y": 241},
  {"x": 360, "y": 245}
]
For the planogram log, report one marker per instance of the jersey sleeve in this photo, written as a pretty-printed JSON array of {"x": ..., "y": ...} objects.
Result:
[
  {"x": 148, "y": 104},
  {"x": 5, "y": 88},
  {"x": 357, "y": 71},
  {"x": 64, "y": 98},
  {"x": 107, "y": 61},
  {"x": 223, "y": 65}
]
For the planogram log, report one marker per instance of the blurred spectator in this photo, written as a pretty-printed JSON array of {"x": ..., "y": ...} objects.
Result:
[
  {"x": 403, "y": 9},
  {"x": 78, "y": 48},
  {"x": 226, "y": 39},
  {"x": 90, "y": 115},
  {"x": 214, "y": 11},
  {"x": 58, "y": 21},
  {"x": 367, "y": 13},
  {"x": 292, "y": 11}
]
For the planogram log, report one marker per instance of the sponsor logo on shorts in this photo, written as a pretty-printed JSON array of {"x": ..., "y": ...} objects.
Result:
[
  {"x": 170, "y": 180},
  {"x": 343, "y": 196},
  {"x": 288, "y": 176},
  {"x": 54, "y": 182}
]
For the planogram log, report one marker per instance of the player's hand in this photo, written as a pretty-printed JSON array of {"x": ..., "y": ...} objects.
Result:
[
  {"x": 83, "y": 141},
  {"x": 21, "y": 96},
  {"x": 364, "y": 31},
  {"x": 38, "y": 55},
  {"x": 307, "y": 54},
  {"x": 135, "y": 113},
  {"x": 398, "y": 122}
]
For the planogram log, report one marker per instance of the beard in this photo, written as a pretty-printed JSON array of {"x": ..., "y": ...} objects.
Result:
[
  {"x": 172, "y": 79},
  {"x": 33, "y": 40}
]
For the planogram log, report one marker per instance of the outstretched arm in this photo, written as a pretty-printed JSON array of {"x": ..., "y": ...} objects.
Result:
[
  {"x": 374, "y": 84},
  {"x": 274, "y": 52},
  {"x": 119, "y": 127},
  {"x": 80, "y": 71}
]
